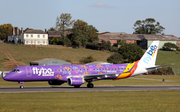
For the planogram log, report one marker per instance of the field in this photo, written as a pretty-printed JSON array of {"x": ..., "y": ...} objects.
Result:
[
  {"x": 119, "y": 101},
  {"x": 27, "y": 54},
  {"x": 155, "y": 101}
]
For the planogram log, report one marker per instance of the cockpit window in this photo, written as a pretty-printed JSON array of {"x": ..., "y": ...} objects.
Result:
[{"x": 15, "y": 70}]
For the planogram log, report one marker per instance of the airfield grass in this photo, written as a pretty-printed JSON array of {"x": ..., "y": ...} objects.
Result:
[
  {"x": 101, "y": 101},
  {"x": 136, "y": 81},
  {"x": 27, "y": 54}
]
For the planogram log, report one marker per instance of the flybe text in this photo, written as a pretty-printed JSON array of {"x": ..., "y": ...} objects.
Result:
[
  {"x": 150, "y": 53},
  {"x": 152, "y": 50},
  {"x": 43, "y": 71}
]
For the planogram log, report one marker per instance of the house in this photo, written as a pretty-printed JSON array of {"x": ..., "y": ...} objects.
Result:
[
  {"x": 147, "y": 39},
  {"x": 143, "y": 40},
  {"x": 28, "y": 36},
  {"x": 114, "y": 37}
]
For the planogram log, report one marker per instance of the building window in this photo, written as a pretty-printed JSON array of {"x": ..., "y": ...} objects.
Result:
[
  {"x": 38, "y": 42},
  {"x": 26, "y": 35},
  {"x": 38, "y": 36},
  {"x": 26, "y": 42},
  {"x": 44, "y": 42},
  {"x": 43, "y": 36},
  {"x": 31, "y": 42},
  {"x": 31, "y": 35}
]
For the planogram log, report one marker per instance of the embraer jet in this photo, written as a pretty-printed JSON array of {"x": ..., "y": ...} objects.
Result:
[{"x": 76, "y": 75}]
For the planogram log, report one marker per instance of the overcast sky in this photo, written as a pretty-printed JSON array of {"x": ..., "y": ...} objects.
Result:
[{"x": 105, "y": 15}]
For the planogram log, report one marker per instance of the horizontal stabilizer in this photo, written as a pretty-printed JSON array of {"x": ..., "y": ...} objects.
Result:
[{"x": 159, "y": 66}]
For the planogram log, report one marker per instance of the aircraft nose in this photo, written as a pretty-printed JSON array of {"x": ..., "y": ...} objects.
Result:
[{"x": 7, "y": 77}]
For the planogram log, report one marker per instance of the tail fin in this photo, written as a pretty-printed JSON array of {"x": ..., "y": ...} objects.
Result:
[{"x": 149, "y": 57}]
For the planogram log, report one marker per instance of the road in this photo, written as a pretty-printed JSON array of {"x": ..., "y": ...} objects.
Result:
[{"x": 97, "y": 88}]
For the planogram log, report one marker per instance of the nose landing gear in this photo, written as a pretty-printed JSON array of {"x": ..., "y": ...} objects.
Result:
[{"x": 21, "y": 85}]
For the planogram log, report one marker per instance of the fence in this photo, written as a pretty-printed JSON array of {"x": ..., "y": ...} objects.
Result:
[{"x": 176, "y": 71}]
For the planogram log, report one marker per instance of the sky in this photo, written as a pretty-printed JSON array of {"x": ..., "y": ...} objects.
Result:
[{"x": 104, "y": 15}]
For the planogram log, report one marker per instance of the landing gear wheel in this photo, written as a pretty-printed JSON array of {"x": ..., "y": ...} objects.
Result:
[
  {"x": 90, "y": 85},
  {"x": 21, "y": 86},
  {"x": 76, "y": 86}
]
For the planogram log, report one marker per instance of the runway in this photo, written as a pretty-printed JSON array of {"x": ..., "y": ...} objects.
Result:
[{"x": 97, "y": 88}]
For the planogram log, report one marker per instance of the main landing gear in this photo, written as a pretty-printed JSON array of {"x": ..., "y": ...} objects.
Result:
[
  {"x": 90, "y": 85},
  {"x": 21, "y": 85}
]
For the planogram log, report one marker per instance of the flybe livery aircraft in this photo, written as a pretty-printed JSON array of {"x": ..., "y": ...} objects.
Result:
[{"x": 76, "y": 75}]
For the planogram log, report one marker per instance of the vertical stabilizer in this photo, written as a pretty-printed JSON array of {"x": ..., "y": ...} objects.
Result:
[{"x": 149, "y": 57}]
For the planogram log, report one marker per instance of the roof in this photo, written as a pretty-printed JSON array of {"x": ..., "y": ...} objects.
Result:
[
  {"x": 97, "y": 62},
  {"x": 161, "y": 37},
  {"x": 33, "y": 31},
  {"x": 116, "y": 36},
  {"x": 51, "y": 61},
  {"x": 112, "y": 36}
]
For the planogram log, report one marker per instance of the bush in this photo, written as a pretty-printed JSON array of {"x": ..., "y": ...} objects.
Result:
[
  {"x": 130, "y": 52},
  {"x": 113, "y": 49},
  {"x": 170, "y": 47},
  {"x": 19, "y": 41},
  {"x": 115, "y": 58},
  {"x": 85, "y": 60},
  {"x": 163, "y": 71}
]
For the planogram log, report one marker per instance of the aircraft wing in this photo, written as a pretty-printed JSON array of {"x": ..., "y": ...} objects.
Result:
[
  {"x": 98, "y": 76},
  {"x": 158, "y": 66}
]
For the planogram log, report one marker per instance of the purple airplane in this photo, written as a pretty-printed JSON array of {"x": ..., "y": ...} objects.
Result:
[{"x": 76, "y": 75}]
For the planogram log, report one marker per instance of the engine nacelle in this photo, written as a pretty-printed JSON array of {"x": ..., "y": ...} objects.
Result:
[
  {"x": 75, "y": 81},
  {"x": 55, "y": 82}
]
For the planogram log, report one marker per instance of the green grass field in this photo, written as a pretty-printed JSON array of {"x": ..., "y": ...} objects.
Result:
[
  {"x": 128, "y": 101},
  {"x": 112, "y": 101},
  {"x": 28, "y": 54}
]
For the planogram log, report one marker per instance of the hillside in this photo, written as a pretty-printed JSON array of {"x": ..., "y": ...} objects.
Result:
[{"x": 28, "y": 54}]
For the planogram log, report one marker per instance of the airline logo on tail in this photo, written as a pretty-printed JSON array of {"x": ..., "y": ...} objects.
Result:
[
  {"x": 150, "y": 53},
  {"x": 152, "y": 50}
]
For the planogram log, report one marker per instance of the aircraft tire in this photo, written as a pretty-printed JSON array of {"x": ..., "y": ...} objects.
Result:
[
  {"x": 21, "y": 87},
  {"x": 90, "y": 85},
  {"x": 76, "y": 86}
]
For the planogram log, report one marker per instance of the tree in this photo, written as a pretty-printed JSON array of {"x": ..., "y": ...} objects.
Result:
[
  {"x": 52, "y": 29},
  {"x": 92, "y": 33},
  {"x": 63, "y": 22},
  {"x": 148, "y": 26},
  {"x": 5, "y": 30},
  {"x": 88, "y": 59},
  {"x": 130, "y": 52},
  {"x": 82, "y": 33},
  {"x": 115, "y": 58}
]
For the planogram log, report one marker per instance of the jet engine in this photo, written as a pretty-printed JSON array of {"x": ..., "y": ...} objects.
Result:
[
  {"x": 55, "y": 82},
  {"x": 75, "y": 81}
]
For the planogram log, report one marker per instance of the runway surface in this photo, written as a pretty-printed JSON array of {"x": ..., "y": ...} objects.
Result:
[{"x": 97, "y": 88}]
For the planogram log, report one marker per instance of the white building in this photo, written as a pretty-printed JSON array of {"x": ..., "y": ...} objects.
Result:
[{"x": 28, "y": 36}]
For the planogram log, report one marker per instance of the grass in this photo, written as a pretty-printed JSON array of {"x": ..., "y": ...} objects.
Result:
[
  {"x": 174, "y": 80},
  {"x": 28, "y": 54},
  {"x": 124, "y": 101}
]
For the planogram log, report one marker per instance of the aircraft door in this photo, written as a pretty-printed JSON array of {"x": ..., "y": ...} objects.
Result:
[{"x": 28, "y": 72}]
